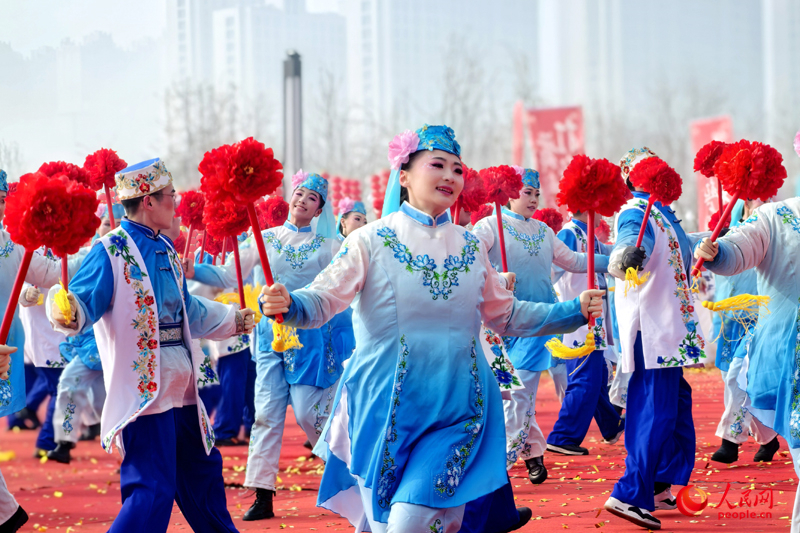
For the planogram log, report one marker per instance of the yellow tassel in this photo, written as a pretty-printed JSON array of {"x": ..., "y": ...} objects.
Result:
[
  {"x": 62, "y": 301},
  {"x": 743, "y": 309},
  {"x": 560, "y": 350},
  {"x": 40, "y": 301},
  {"x": 633, "y": 279},
  {"x": 251, "y": 295},
  {"x": 284, "y": 338}
]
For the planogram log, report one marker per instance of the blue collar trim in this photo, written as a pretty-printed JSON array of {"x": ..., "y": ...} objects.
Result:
[
  {"x": 424, "y": 218},
  {"x": 148, "y": 231},
  {"x": 290, "y": 226},
  {"x": 512, "y": 214}
]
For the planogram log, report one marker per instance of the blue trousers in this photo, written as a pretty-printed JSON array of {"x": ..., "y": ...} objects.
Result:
[
  {"x": 494, "y": 512},
  {"x": 45, "y": 440},
  {"x": 165, "y": 461},
  {"x": 35, "y": 393},
  {"x": 586, "y": 397},
  {"x": 659, "y": 432},
  {"x": 210, "y": 396},
  {"x": 237, "y": 394}
]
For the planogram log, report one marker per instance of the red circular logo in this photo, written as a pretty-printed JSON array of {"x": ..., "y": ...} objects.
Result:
[{"x": 687, "y": 505}]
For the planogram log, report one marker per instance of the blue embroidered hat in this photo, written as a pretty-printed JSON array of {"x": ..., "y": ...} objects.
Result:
[
  {"x": 438, "y": 138},
  {"x": 348, "y": 205},
  {"x": 530, "y": 178},
  {"x": 3, "y": 180},
  {"x": 312, "y": 182}
]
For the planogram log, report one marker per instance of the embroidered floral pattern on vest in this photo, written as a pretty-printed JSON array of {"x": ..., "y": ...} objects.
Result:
[
  {"x": 387, "y": 480},
  {"x": 794, "y": 420},
  {"x": 241, "y": 342},
  {"x": 446, "y": 483},
  {"x": 440, "y": 283},
  {"x": 692, "y": 345},
  {"x": 6, "y": 250},
  {"x": 501, "y": 365},
  {"x": 655, "y": 214},
  {"x": 145, "y": 322},
  {"x": 532, "y": 243},
  {"x": 298, "y": 257},
  {"x": 288, "y": 359},
  {"x": 787, "y": 217},
  {"x": 207, "y": 374}
]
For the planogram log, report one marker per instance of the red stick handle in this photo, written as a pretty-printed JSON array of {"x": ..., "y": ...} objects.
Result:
[
  {"x": 721, "y": 224},
  {"x": 188, "y": 242},
  {"x": 65, "y": 272},
  {"x": 262, "y": 251},
  {"x": 499, "y": 210},
  {"x": 239, "y": 281},
  {"x": 203, "y": 248},
  {"x": 455, "y": 211},
  {"x": 719, "y": 194},
  {"x": 224, "y": 251},
  {"x": 590, "y": 257},
  {"x": 12, "y": 300},
  {"x": 644, "y": 221},
  {"x": 110, "y": 210}
]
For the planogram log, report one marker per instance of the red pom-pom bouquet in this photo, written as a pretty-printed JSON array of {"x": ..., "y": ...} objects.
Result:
[
  {"x": 550, "y": 216},
  {"x": 102, "y": 166}
]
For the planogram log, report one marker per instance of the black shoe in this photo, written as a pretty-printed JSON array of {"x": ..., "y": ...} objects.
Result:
[
  {"x": 307, "y": 444},
  {"x": 537, "y": 472},
  {"x": 91, "y": 433},
  {"x": 16, "y": 521},
  {"x": 262, "y": 507},
  {"x": 61, "y": 453},
  {"x": 637, "y": 515},
  {"x": 767, "y": 451},
  {"x": 728, "y": 453},
  {"x": 28, "y": 418},
  {"x": 567, "y": 449},
  {"x": 525, "y": 515},
  {"x": 619, "y": 409}
]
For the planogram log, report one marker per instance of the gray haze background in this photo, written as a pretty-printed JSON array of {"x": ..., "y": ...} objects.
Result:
[{"x": 174, "y": 78}]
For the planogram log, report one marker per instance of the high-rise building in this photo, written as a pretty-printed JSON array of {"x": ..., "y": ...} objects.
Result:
[{"x": 189, "y": 39}]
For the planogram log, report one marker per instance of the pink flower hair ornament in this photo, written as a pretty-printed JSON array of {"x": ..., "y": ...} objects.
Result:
[
  {"x": 346, "y": 205},
  {"x": 401, "y": 147},
  {"x": 299, "y": 178}
]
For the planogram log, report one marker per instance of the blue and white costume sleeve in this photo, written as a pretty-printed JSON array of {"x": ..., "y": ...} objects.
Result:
[{"x": 404, "y": 427}]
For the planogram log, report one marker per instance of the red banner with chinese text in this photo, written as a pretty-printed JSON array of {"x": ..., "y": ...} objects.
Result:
[
  {"x": 556, "y": 136},
  {"x": 704, "y": 131}
]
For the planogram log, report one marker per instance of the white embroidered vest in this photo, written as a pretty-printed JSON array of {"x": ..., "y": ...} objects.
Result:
[
  {"x": 662, "y": 308},
  {"x": 128, "y": 343},
  {"x": 571, "y": 285}
]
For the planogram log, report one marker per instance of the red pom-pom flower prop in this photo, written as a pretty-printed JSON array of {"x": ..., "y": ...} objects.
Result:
[
  {"x": 550, "y": 216},
  {"x": 714, "y": 220},
  {"x": 190, "y": 209},
  {"x": 55, "y": 212},
  {"x": 704, "y": 163},
  {"x": 102, "y": 166},
  {"x": 247, "y": 171},
  {"x": 592, "y": 186},
  {"x": 748, "y": 170},
  {"x": 481, "y": 213},
  {"x": 73, "y": 172},
  {"x": 225, "y": 219},
  {"x": 660, "y": 180},
  {"x": 603, "y": 232},
  {"x": 501, "y": 183},
  {"x": 472, "y": 196},
  {"x": 272, "y": 212}
]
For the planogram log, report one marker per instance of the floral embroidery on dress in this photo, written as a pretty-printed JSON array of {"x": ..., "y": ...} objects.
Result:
[
  {"x": 119, "y": 247},
  {"x": 446, "y": 483},
  {"x": 342, "y": 252},
  {"x": 6, "y": 250},
  {"x": 207, "y": 374},
  {"x": 532, "y": 243},
  {"x": 288, "y": 359},
  {"x": 501, "y": 366},
  {"x": 437, "y": 526},
  {"x": 6, "y": 392},
  {"x": 69, "y": 414},
  {"x": 787, "y": 217},
  {"x": 516, "y": 445},
  {"x": 794, "y": 420},
  {"x": 440, "y": 283},
  {"x": 655, "y": 214},
  {"x": 330, "y": 353},
  {"x": 298, "y": 257},
  {"x": 322, "y": 414},
  {"x": 693, "y": 344},
  {"x": 387, "y": 480},
  {"x": 241, "y": 342}
]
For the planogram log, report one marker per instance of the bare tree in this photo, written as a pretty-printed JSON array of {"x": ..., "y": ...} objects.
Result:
[{"x": 10, "y": 159}]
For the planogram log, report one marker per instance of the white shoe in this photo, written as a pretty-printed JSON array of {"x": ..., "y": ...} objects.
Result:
[
  {"x": 613, "y": 440},
  {"x": 665, "y": 501},
  {"x": 631, "y": 513}
]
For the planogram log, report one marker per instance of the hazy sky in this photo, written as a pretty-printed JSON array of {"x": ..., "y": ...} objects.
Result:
[{"x": 30, "y": 24}]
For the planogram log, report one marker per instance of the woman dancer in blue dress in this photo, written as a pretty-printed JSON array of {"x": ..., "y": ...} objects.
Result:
[{"x": 416, "y": 432}]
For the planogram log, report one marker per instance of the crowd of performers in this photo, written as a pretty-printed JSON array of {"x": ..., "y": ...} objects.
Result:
[{"x": 410, "y": 348}]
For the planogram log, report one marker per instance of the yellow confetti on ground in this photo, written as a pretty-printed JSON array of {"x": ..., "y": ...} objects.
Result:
[
  {"x": 58, "y": 494},
  {"x": 7, "y": 456},
  {"x": 93, "y": 461},
  {"x": 596, "y": 469},
  {"x": 43, "y": 459}
]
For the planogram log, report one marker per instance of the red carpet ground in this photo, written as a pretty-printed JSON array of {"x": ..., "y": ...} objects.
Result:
[{"x": 84, "y": 497}]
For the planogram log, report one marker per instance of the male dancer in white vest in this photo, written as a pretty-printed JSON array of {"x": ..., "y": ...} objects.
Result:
[
  {"x": 132, "y": 286},
  {"x": 659, "y": 335}
]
